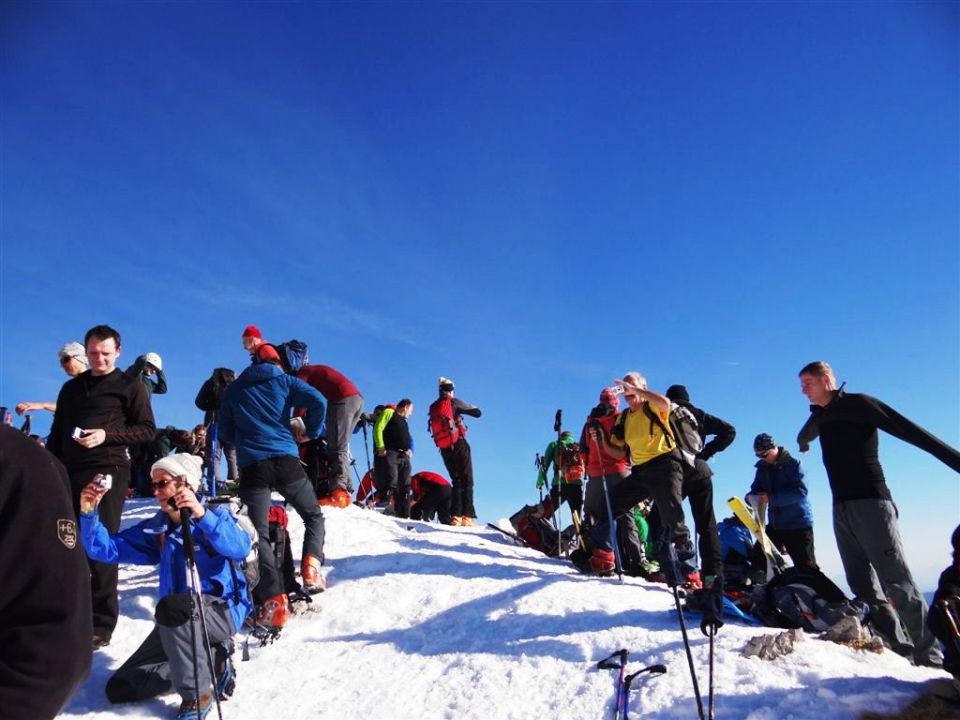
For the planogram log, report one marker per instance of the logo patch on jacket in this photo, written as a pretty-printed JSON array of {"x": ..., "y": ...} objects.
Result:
[{"x": 67, "y": 532}]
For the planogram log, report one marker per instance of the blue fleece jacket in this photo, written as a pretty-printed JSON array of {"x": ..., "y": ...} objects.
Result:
[
  {"x": 157, "y": 541},
  {"x": 787, "y": 493},
  {"x": 255, "y": 413}
]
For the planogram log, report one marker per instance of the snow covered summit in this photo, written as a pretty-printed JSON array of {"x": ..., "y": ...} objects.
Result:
[{"x": 427, "y": 621}]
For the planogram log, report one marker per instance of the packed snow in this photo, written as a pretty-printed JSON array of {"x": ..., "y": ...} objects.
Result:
[{"x": 427, "y": 621}]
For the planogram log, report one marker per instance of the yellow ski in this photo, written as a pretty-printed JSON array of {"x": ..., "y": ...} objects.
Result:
[{"x": 747, "y": 516}]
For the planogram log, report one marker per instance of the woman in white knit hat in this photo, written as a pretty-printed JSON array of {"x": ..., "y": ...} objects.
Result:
[{"x": 164, "y": 661}]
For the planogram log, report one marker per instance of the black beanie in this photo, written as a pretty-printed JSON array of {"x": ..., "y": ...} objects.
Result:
[
  {"x": 678, "y": 393},
  {"x": 763, "y": 442}
]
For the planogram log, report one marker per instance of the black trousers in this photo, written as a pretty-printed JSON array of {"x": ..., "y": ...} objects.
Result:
[
  {"x": 570, "y": 493},
  {"x": 698, "y": 487},
  {"x": 459, "y": 463},
  {"x": 285, "y": 475},
  {"x": 798, "y": 544},
  {"x": 103, "y": 576},
  {"x": 398, "y": 478},
  {"x": 661, "y": 479},
  {"x": 434, "y": 500}
]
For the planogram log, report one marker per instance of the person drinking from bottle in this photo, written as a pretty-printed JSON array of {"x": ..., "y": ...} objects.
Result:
[{"x": 174, "y": 656}]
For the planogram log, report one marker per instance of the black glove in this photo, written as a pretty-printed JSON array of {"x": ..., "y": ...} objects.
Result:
[{"x": 712, "y": 608}]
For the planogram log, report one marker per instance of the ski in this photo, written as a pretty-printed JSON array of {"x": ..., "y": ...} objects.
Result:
[
  {"x": 512, "y": 536},
  {"x": 746, "y": 516}
]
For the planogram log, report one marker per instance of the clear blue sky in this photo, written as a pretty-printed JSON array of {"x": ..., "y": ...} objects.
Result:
[{"x": 530, "y": 198}]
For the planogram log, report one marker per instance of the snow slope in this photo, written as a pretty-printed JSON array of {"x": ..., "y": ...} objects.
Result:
[{"x": 427, "y": 621}]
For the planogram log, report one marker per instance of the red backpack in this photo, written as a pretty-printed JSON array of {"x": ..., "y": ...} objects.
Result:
[{"x": 443, "y": 427}]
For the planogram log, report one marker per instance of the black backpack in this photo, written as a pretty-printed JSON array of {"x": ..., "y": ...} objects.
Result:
[{"x": 803, "y": 597}]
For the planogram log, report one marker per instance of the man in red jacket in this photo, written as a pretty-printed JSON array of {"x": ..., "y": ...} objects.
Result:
[{"x": 344, "y": 407}]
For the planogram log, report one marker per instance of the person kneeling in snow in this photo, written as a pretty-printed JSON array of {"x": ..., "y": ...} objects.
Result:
[{"x": 164, "y": 661}]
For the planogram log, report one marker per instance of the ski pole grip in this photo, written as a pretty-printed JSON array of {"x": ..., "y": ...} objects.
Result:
[{"x": 558, "y": 423}]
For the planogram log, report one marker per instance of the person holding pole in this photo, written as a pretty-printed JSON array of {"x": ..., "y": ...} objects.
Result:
[{"x": 187, "y": 650}]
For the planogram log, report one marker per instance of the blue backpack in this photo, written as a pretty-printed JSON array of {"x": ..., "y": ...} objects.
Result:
[{"x": 293, "y": 355}]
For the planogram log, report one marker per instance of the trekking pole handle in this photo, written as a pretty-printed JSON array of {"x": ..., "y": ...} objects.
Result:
[{"x": 558, "y": 422}]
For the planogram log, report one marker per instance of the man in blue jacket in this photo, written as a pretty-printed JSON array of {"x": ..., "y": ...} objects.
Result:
[
  {"x": 255, "y": 417},
  {"x": 779, "y": 484},
  {"x": 165, "y": 660}
]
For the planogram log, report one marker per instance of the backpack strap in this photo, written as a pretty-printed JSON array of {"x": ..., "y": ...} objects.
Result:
[{"x": 655, "y": 418}]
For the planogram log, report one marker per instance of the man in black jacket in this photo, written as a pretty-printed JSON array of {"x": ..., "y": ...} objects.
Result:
[
  {"x": 864, "y": 516},
  {"x": 44, "y": 597},
  {"x": 698, "y": 481},
  {"x": 399, "y": 450},
  {"x": 100, "y": 414}
]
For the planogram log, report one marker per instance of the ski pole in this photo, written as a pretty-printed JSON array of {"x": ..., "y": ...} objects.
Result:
[
  {"x": 653, "y": 670},
  {"x": 670, "y": 553},
  {"x": 557, "y": 425},
  {"x": 713, "y": 634},
  {"x": 196, "y": 604},
  {"x": 606, "y": 497},
  {"x": 621, "y": 665},
  {"x": 366, "y": 442}
]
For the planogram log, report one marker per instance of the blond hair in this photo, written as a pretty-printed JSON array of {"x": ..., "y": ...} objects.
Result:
[{"x": 635, "y": 378}]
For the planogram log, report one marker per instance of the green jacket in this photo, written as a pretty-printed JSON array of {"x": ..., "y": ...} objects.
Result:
[{"x": 551, "y": 457}]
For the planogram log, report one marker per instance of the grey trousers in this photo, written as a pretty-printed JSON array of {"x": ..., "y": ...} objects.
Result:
[
  {"x": 868, "y": 538},
  {"x": 164, "y": 661},
  {"x": 342, "y": 418}
]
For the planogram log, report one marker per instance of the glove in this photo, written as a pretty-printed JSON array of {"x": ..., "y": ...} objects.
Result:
[
  {"x": 712, "y": 609},
  {"x": 541, "y": 480}
]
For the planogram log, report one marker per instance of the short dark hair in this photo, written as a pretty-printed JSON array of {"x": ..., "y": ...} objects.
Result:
[
  {"x": 404, "y": 403},
  {"x": 101, "y": 333}
]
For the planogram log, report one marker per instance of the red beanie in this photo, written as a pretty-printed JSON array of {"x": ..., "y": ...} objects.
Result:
[
  {"x": 608, "y": 395},
  {"x": 252, "y": 331}
]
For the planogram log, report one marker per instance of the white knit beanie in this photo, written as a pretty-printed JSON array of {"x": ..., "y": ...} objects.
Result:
[{"x": 182, "y": 464}]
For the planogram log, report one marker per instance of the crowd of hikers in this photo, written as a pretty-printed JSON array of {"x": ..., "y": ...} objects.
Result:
[{"x": 284, "y": 425}]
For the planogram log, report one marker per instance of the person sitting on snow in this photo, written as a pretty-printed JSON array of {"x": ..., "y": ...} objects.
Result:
[{"x": 165, "y": 659}]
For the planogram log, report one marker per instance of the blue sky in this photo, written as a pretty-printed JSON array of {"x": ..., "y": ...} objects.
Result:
[{"x": 530, "y": 198}]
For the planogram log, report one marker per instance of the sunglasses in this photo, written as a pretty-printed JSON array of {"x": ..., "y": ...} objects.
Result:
[
  {"x": 764, "y": 453},
  {"x": 64, "y": 359},
  {"x": 160, "y": 485}
]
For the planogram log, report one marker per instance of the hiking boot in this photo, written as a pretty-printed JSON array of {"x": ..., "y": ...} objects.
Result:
[
  {"x": 313, "y": 580},
  {"x": 602, "y": 562},
  {"x": 339, "y": 498},
  {"x": 456, "y": 520},
  {"x": 190, "y": 709},
  {"x": 273, "y": 613},
  {"x": 466, "y": 521},
  {"x": 100, "y": 641},
  {"x": 225, "y": 671}
]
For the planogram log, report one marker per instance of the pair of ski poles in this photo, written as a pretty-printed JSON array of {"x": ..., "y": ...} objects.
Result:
[
  {"x": 618, "y": 661},
  {"x": 196, "y": 608}
]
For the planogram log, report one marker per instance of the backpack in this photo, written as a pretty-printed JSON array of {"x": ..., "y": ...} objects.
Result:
[
  {"x": 293, "y": 355},
  {"x": 684, "y": 431},
  {"x": 744, "y": 562},
  {"x": 803, "y": 597},
  {"x": 444, "y": 428},
  {"x": 282, "y": 552},
  {"x": 250, "y": 565},
  {"x": 570, "y": 460}
]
